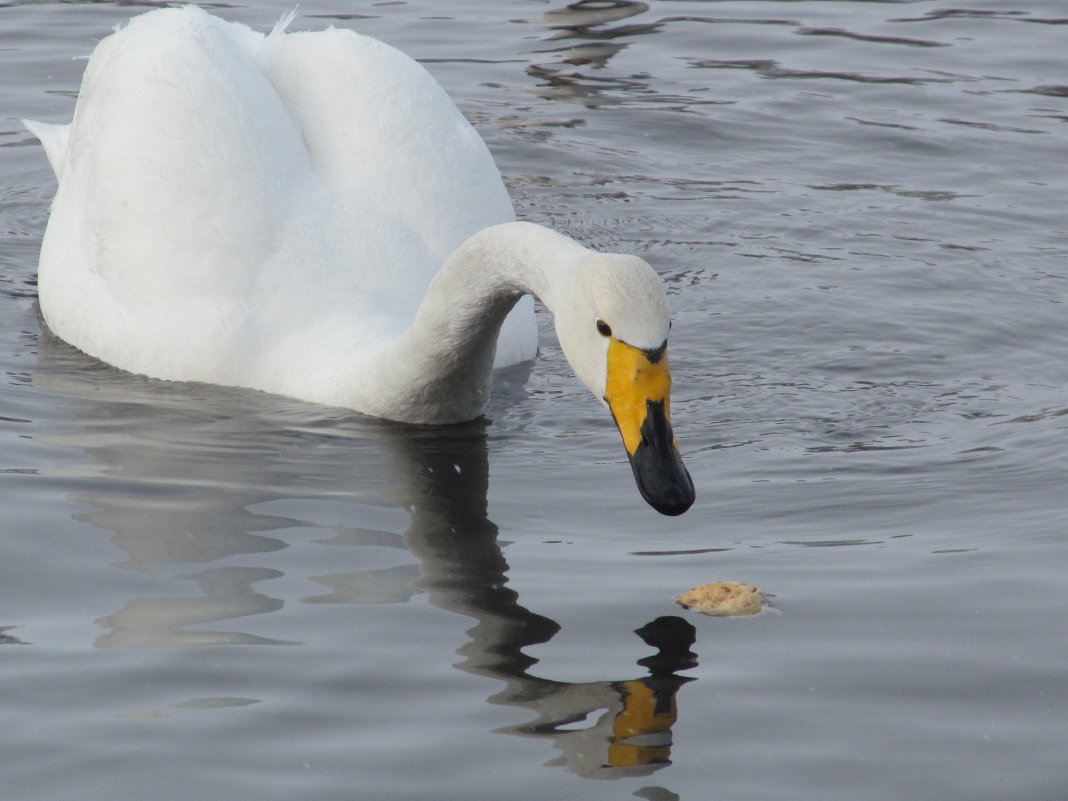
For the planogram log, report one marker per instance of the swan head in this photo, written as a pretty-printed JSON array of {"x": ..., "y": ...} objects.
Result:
[{"x": 613, "y": 329}]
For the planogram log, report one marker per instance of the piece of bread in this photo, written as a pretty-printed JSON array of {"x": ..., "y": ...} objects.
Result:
[{"x": 724, "y": 598}]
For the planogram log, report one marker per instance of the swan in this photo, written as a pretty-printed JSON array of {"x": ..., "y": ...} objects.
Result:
[{"x": 309, "y": 214}]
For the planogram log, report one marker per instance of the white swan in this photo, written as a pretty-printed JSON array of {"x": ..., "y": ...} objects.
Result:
[{"x": 310, "y": 215}]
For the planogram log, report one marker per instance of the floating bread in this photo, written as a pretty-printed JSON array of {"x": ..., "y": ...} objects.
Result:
[{"x": 724, "y": 598}]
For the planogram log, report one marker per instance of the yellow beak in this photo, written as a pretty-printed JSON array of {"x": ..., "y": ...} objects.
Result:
[{"x": 638, "y": 392}]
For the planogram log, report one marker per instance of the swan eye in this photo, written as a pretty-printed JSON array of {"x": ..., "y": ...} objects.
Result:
[{"x": 603, "y": 328}]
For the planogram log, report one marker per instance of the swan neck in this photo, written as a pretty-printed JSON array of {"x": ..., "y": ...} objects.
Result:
[
  {"x": 445, "y": 359},
  {"x": 519, "y": 258}
]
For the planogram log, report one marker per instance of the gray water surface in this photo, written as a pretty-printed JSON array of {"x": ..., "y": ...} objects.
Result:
[{"x": 859, "y": 208}]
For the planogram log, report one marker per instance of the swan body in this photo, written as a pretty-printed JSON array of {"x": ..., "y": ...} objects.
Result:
[{"x": 309, "y": 214}]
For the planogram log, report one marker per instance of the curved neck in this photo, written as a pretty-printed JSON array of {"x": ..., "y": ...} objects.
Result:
[
  {"x": 443, "y": 363},
  {"x": 510, "y": 259}
]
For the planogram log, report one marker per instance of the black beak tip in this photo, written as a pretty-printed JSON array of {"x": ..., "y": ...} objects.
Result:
[
  {"x": 670, "y": 498},
  {"x": 662, "y": 478}
]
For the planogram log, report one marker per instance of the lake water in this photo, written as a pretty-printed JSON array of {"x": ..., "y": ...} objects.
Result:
[{"x": 859, "y": 208}]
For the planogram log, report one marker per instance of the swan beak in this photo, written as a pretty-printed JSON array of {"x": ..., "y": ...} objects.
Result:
[{"x": 638, "y": 392}]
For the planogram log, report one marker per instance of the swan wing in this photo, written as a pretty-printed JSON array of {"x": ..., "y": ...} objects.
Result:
[
  {"x": 398, "y": 156},
  {"x": 181, "y": 165},
  {"x": 232, "y": 205}
]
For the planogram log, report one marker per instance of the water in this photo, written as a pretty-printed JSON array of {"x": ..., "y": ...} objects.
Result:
[{"x": 859, "y": 209}]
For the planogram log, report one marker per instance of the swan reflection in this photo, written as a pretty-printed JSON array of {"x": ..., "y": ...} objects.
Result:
[
  {"x": 226, "y": 593},
  {"x": 183, "y": 475},
  {"x": 632, "y": 733}
]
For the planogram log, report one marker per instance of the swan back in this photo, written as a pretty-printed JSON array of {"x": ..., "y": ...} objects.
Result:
[{"x": 262, "y": 211}]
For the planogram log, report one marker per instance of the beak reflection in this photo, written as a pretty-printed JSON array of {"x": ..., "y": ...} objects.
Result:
[{"x": 638, "y": 391}]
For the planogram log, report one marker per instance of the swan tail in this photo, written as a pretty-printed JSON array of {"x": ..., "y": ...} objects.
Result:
[
  {"x": 282, "y": 24},
  {"x": 54, "y": 139}
]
